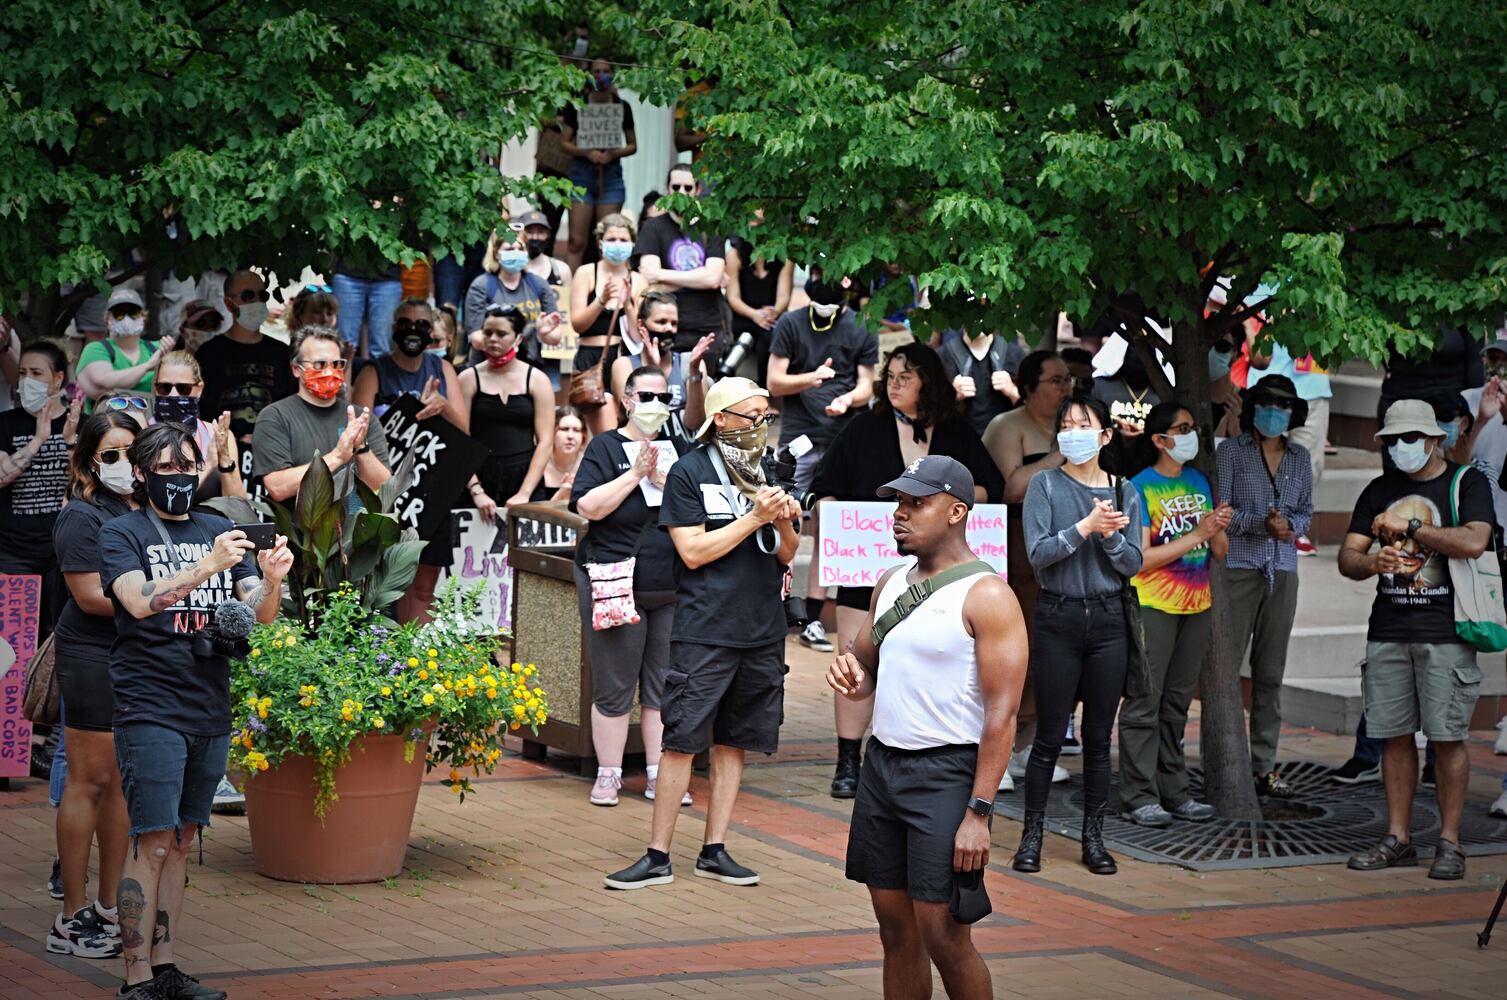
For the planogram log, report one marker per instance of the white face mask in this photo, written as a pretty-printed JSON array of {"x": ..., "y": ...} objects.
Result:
[
  {"x": 34, "y": 395},
  {"x": 649, "y": 417},
  {"x": 1184, "y": 447},
  {"x": 117, "y": 477},
  {"x": 1079, "y": 446},
  {"x": 1408, "y": 457},
  {"x": 252, "y": 315},
  {"x": 129, "y": 327},
  {"x": 825, "y": 309}
]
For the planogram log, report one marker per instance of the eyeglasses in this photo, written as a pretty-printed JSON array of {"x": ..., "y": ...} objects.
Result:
[
  {"x": 1060, "y": 382},
  {"x": 110, "y": 456},
  {"x": 250, "y": 295},
  {"x": 168, "y": 388},
  {"x": 683, "y": 188},
  {"x": 406, "y": 325},
  {"x": 1179, "y": 429},
  {"x": 124, "y": 403},
  {"x": 645, "y": 396},
  {"x": 338, "y": 365},
  {"x": 766, "y": 417},
  {"x": 326, "y": 289},
  {"x": 902, "y": 379},
  {"x": 1280, "y": 402}
]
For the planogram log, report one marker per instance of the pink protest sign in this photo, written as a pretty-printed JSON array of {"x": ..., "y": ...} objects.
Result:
[
  {"x": 20, "y": 613},
  {"x": 857, "y": 545}
]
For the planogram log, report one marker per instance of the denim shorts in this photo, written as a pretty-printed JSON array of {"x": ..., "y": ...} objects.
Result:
[
  {"x": 169, "y": 778},
  {"x": 610, "y": 191}
]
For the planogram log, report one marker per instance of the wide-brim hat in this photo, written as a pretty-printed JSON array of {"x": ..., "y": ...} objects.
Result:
[{"x": 1277, "y": 387}]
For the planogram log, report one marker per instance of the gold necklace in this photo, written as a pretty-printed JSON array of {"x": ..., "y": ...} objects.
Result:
[{"x": 830, "y": 320}]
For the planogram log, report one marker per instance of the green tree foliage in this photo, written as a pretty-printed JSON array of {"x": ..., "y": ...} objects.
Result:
[
  {"x": 274, "y": 133},
  {"x": 1054, "y": 155}
]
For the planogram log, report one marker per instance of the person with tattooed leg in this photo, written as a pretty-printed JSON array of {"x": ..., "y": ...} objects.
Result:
[{"x": 167, "y": 571}]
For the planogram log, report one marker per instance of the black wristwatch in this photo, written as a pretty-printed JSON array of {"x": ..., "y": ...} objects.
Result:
[
  {"x": 226, "y": 470},
  {"x": 363, "y": 449},
  {"x": 982, "y": 807},
  {"x": 1413, "y": 527}
]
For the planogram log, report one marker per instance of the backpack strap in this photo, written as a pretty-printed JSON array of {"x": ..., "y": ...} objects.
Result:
[
  {"x": 916, "y": 594},
  {"x": 110, "y": 351},
  {"x": 492, "y": 286},
  {"x": 960, "y": 353}
]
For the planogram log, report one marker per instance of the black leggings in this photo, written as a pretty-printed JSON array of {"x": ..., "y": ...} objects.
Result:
[{"x": 1078, "y": 651}]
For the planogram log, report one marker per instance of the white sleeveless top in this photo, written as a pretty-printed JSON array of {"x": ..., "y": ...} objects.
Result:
[{"x": 927, "y": 688}]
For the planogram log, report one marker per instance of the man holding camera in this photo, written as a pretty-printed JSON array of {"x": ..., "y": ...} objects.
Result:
[
  {"x": 824, "y": 359},
  {"x": 733, "y": 532},
  {"x": 168, "y": 572}
]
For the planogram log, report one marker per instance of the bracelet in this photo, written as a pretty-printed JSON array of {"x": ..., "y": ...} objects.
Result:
[
  {"x": 697, "y": 378},
  {"x": 363, "y": 449},
  {"x": 476, "y": 488},
  {"x": 226, "y": 470}
]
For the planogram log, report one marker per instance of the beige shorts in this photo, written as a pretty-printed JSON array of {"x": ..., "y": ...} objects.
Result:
[{"x": 1408, "y": 687}]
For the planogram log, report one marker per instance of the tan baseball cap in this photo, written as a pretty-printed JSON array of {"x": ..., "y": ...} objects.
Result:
[{"x": 728, "y": 392}]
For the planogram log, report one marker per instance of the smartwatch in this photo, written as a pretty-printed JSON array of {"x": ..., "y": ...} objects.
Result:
[
  {"x": 363, "y": 449},
  {"x": 226, "y": 470},
  {"x": 982, "y": 807},
  {"x": 1413, "y": 526}
]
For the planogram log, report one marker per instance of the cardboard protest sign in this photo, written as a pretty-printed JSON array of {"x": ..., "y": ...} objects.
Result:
[
  {"x": 445, "y": 460},
  {"x": 857, "y": 545},
  {"x": 20, "y": 619},
  {"x": 600, "y": 126},
  {"x": 480, "y": 550}
]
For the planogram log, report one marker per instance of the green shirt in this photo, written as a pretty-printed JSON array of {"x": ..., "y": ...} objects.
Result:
[{"x": 104, "y": 350}]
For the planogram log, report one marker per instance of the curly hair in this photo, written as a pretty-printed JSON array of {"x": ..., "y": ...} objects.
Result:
[{"x": 938, "y": 400}]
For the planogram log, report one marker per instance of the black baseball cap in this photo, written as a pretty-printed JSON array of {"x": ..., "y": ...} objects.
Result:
[{"x": 933, "y": 474}]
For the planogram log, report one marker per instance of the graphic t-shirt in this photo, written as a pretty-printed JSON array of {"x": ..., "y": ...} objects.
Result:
[
  {"x": 30, "y": 505},
  {"x": 1418, "y": 604},
  {"x": 110, "y": 353},
  {"x": 244, "y": 379},
  {"x": 1171, "y": 508},
  {"x": 849, "y": 346},
  {"x": 153, "y": 670},
  {"x": 700, "y": 308},
  {"x": 615, "y": 536},
  {"x": 735, "y": 601}
]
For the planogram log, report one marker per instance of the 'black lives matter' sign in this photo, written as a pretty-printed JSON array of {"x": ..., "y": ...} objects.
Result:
[{"x": 445, "y": 458}]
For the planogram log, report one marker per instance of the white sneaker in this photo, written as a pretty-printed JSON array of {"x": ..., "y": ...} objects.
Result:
[
  {"x": 1499, "y": 807},
  {"x": 813, "y": 636},
  {"x": 685, "y": 799},
  {"x": 1501, "y": 745},
  {"x": 228, "y": 799},
  {"x": 1006, "y": 783},
  {"x": 1020, "y": 758}
]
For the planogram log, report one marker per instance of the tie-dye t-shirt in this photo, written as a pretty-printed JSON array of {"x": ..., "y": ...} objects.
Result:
[{"x": 1171, "y": 508}]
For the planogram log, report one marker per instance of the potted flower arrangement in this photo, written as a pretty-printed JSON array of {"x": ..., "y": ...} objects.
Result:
[{"x": 341, "y": 711}]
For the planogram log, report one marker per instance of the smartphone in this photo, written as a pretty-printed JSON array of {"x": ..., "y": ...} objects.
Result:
[{"x": 263, "y": 536}]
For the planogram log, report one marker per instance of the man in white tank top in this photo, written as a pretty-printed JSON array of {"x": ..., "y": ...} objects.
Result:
[{"x": 946, "y": 680}]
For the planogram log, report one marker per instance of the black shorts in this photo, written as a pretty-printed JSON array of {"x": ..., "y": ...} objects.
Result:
[
  {"x": 906, "y": 817},
  {"x": 84, "y": 681},
  {"x": 730, "y": 697},
  {"x": 440, "y": 550}
]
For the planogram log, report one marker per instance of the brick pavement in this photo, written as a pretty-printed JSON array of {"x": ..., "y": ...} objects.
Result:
[{"x": 501, "y": 897}]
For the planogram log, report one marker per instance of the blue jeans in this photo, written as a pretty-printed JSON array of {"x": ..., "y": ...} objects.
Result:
[
  {"x": 372, "y": 300},
  {"x": 169, "y": 778},
  {"x": 1368, "y": 749},
  {"x": 59, "y": 765}
]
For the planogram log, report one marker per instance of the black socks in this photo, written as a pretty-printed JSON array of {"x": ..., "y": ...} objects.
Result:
[
  {"x": 658, "y": 857},
  {"x": 710, "y": 851}
]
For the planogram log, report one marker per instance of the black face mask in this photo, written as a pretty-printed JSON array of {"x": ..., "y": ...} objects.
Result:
[
  {"x": 826, "y": 292},
  {"x": 176, "y": 410},
  {"x": 413, "y": 344},
  {"x": 172, "y": 492},
  {"x": 536, "y": 247}
]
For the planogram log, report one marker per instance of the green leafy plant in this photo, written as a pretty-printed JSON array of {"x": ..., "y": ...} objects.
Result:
[{"x": 315, "y": 687}]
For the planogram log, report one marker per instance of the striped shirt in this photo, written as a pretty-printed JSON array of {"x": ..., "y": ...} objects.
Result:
[{"x": 1246, "y": 484}]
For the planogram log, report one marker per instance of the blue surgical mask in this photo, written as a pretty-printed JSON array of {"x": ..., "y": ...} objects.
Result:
[
  {"x": 1219, "y": 363},
  {"x": 617, "y": 251},
  {"x": 1409, "y": 457},
  {"x": 512, "y": 260},
  {"x": 438, "y": 352},
  {"x": 1272, "y": 421},
  {"x": 1451, "y": 433},
  {"x": 1079, "y": 446}
]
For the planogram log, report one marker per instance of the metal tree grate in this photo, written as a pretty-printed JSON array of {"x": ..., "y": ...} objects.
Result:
[{"x": 1344, "y": 819}]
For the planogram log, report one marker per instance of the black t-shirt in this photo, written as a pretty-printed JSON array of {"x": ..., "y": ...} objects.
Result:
[
  {"x": 866, "y": 455},
  {"x": 243, "y": 378},
  {"x": 570, "y": 116},
  {"x": 153, "y": 669},
  {"x": 614, "y": 537},
  {"x": 76, "y": 539},
  {"x": 1419, "y": 606},
  {"x": 735, "y": 601},
  {"x": 700, "y": 308},
  {"x": 986, "y": 403},
  {"x": 30, "y": 505},
  {"x": 847, "y": 343}
]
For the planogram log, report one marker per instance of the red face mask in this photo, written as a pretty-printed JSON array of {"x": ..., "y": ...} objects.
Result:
[
  {"x": 501, "y": 361},
  {"x": 324, "y": 384}
]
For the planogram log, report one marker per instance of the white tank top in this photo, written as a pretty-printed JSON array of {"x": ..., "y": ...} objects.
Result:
[{"x": 927, "y": 689}]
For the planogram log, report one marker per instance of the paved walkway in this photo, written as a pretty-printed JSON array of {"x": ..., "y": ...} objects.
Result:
[{"x": 502, "y": 897}]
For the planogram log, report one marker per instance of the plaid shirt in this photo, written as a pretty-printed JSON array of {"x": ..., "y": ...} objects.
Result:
[{"x": 1245, "y": 485}]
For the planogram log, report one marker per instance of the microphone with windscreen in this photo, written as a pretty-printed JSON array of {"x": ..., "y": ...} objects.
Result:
[{"x": 226, "y": 636}]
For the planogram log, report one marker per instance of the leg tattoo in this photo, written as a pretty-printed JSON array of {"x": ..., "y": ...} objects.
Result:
[
  {"x": 131, "y": 902},
  {"x": 162, "y": 934}
]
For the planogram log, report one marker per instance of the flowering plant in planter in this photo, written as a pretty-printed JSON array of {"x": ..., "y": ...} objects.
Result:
[{"x": 313, "y": 688}]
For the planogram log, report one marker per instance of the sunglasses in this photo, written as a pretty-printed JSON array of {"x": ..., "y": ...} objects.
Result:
[
  {"x": 338, "y": 365},
  {"x": 126, "y": 311},
  {"x": 683, "y": 188},
  {"x": 251, "y": 295},
  {"x": 410, "y": 325},
  {"x": 645, "y": 396},
  {"x": 208, "y": 321},
  {"x": 326, "y": 289},
  {"x": 110, "y": 456},
  {"x": 1411, "y": 437},
  {"x": 125, "y": 403},
  {"x": 168, "y": 388}
]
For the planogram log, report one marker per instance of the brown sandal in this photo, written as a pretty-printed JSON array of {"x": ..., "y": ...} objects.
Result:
[
  {"x": 1449, "y": 862},
  {"x": 1387, "y": 854}
]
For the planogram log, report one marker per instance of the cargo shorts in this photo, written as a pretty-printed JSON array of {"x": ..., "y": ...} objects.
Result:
[{"x": 1412, "y": 687}]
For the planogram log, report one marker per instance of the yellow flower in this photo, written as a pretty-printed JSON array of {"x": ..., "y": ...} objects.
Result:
[
  {"x": 457, "y": 788},
  {"x": 277, "y": 644},
  {"x": 530, "y": 670},
  {"x": 379, "y": 722},
  {"x": 517, "y": 668},
  {"x": 491, "y": 692},
  {"x": 423, "y": 675},
  {"x": 413, "y": 661},
  {"x": 532, "y": 704},
  {"x": 519, "y": 711},
  {"x": 439, "y": 688},
  {"x": 434, "y": 652},
  {"x": 448, "y": 685},
  {"x": 256, "y": 652},
  {"x": 432, "y": 665},
  {"x": 386, "y": 690},
  {"x": 514, "y": 726},
  {"x": 429, "y": 699},
  {"x": 292, "y": 639}
]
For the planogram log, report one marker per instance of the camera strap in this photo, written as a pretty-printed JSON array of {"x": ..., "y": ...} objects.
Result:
[
  {"x": 767, "y": 536},
  {"x": 174, "y": 564}
]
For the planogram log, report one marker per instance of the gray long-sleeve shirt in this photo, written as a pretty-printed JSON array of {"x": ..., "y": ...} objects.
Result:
[{"x": 1065, "y": 562}]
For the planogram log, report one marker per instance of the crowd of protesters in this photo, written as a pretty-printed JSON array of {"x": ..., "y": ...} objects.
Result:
[{"x": 1113, "y": 529}]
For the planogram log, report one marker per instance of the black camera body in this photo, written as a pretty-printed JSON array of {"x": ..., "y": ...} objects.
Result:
[
  {"x": 782, "y": 461},
  {"x": 209, "y": 643}
]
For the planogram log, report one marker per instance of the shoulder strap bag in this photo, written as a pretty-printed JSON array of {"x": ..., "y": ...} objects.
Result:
[
  {"x": 1480, "y": 618},
  {"x": 612, "y": 602},
  {"x": 588, "y": 388},
  {"x": 43, "y": 697},
  {"x": 916, "y": 594}
]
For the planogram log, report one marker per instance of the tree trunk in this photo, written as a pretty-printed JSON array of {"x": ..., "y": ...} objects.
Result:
[{"x": 1223, "y": 747}]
